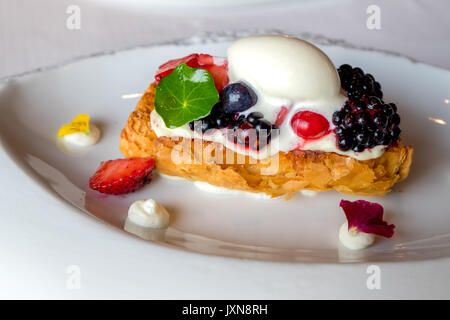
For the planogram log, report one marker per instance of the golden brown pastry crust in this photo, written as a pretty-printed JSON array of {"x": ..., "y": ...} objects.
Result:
[{"x": 319, "y": 171}]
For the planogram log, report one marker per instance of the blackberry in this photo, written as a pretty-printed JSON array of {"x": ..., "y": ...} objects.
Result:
[
  {"x": 338, "y": 117},
  {"x": 217, "y": 119},
  {"x": 254, "y": 117},
  {"x": 275, "y": 131},
  {"x": 357, "y": 84},
  {"x": 395, "y": 133},
  {"x": 379, "y": 135},
  {"x": 374, "y": 103},
  {"x": 201, "y": 125},
  {"x": 344, "y": 143},
  {"x": 360, "y": 106},
  {"x": 247, "y": 130},
  {"x": 362, "y": 138},
  {"x": 359, "y": 148},
  {"x": 363, "y": 118},
  {"x": 237, "y": 121},
  {"x": 252, "y": 131},
  {"x": 395, "y": 119},
  {"x": 380, "y": 120},
  {"x": 366, "y": 123},
  {"x": 263, "y": 124}
]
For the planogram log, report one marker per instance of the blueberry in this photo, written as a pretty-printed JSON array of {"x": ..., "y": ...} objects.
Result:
[{"x": 237, "y": 97}]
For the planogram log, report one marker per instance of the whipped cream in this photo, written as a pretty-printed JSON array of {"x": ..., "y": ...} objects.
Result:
[
  {"x": 82, "y": 139},
  {"x": 353, "y": 239},
  {"x": 219, "y": 136},
  {"x": 149, "y": 214},
  {"x": 284, "y": 72}
]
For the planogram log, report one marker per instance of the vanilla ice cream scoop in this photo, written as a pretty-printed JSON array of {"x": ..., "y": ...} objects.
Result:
[{"x": 283, "y": 67}]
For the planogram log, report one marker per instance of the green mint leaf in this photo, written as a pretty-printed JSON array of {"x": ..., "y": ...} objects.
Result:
[{"x": 185, "y": 95}]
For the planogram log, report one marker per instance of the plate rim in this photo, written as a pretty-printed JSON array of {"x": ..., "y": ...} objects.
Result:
[{"x": 202, "y": 38}]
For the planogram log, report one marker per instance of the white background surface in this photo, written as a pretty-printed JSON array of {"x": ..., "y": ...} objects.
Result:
[{"x": 33, "y": 34}]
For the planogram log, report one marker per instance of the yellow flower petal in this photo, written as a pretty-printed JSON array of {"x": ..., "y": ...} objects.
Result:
[{"x": 79, "y": 124}]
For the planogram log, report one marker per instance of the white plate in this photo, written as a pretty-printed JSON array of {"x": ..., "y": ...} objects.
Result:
[{"x": 303, "y": 229}]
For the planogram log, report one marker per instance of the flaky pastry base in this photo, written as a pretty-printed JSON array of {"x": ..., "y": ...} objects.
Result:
[{"x": 297, "y": 170}]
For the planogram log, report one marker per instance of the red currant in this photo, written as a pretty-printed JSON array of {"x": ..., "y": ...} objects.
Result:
[{"x": 309, "y": 125}]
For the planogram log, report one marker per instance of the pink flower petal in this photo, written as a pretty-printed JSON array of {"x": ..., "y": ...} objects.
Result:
[{"x": 367, "y": 217}]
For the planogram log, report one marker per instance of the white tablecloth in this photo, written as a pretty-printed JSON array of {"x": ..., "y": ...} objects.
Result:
[{"x": 33, "y": 34}]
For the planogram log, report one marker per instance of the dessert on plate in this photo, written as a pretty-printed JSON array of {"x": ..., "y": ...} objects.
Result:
[{"x": 273, "y": 117}]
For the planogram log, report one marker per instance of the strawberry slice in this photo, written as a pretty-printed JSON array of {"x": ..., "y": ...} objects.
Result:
[
  {"x": 216, "y": 66},
  {"x": 167, "y": 68},
  {"x": 219, "y": 74},
  {"x": 122, "y": 175},
  {"x": 204, "y": 59}
]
